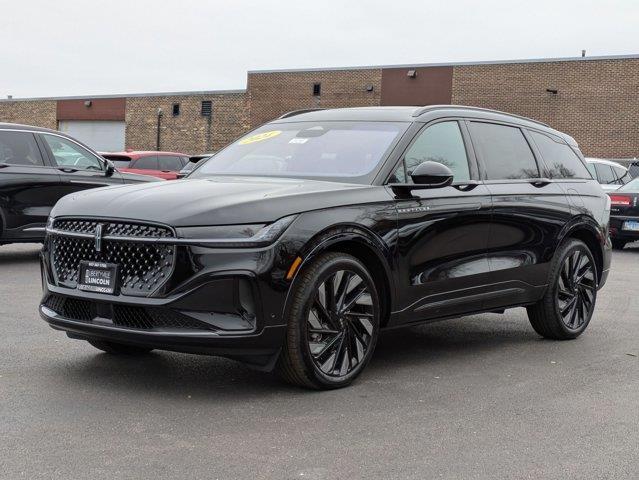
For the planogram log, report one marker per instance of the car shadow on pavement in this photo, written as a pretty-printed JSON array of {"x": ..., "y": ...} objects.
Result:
[{"x": 170, "y": 374}]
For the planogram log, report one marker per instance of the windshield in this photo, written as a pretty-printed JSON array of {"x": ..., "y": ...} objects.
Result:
[
  {"x": 346, "y": 151},
  {"x": 631, "y": 186}
]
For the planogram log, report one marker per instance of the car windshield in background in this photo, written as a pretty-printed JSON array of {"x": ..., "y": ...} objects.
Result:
[
  {"x": 631, "y": 186},
  {"x": 335, "y": 150}
]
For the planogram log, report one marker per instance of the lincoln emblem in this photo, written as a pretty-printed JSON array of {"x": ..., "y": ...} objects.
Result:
[{"x": 98, "y": 237}]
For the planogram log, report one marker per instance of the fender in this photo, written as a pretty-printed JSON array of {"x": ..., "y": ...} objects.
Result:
[
  {"x": 582, "y": 222},
  {"x": 337, "y": 234}
]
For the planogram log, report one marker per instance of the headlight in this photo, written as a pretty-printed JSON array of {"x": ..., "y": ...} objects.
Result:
[{"x": 240, "y": 236}]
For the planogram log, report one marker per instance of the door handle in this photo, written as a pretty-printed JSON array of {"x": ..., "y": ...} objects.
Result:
[
  {"x": 540, "y": 182},
  {"x": 3, "y": 165},
  {"x": 67, "y": 169},
  {"x": 467, "y": 185}
]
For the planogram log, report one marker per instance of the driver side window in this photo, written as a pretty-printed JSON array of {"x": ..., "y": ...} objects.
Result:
[
  {"x": 442, "y": 143},
  {"x": 70, "y": 155}
]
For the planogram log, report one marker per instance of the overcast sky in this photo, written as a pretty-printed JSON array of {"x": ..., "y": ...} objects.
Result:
[{"x": 80, "y": 47}]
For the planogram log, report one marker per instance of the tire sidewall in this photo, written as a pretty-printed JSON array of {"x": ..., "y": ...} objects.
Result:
[
  {"x": 569, "y": 249},
  {"x": 326, "y": 270}
]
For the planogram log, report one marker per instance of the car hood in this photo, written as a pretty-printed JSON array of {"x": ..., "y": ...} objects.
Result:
[{"x": 215, "y": 200}]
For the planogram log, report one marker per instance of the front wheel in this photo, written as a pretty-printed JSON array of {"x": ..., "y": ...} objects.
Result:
[
  {"x": 333, "y": 323},
  {"x": 567, "y": 306}
]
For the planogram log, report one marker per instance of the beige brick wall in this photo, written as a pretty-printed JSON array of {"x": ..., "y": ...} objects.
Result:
[
  {"x": 597, "y": 101},
  {"x": 272, "y": 94},
  {"x": 187, "y": 132},
  {"x": 40, "y": 113}
]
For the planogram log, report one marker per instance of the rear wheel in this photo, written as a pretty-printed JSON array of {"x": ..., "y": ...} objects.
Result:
[
  {"x": 618, "y": 244},
  {"x": 118, "y": 348},
  {"x": 567, "y": 306},
  {"x": 333, "y": 323}
]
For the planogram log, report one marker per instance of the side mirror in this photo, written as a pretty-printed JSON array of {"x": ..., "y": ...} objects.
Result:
[
  {"x": 110, "y": 168},
  {"x": 432, "y": 175},
  {"x": 428, "y": 174}
]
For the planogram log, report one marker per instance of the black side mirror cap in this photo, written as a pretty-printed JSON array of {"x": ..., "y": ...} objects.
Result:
[
  {"x": 109, "y": 168},
  {"x": 426, "y": 175}
]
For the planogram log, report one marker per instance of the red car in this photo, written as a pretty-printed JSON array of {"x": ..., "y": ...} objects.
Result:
[{"x": 164, "y": 165}]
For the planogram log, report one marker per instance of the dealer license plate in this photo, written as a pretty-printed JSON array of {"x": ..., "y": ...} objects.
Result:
[{"x": 98, "y": 277}]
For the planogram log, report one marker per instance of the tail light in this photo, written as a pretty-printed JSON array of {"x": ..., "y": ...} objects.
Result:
[{"x": 620, "y": 200}]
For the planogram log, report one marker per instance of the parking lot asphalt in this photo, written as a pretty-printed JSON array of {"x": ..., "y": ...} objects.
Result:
[{"x": 478, "y": 397}]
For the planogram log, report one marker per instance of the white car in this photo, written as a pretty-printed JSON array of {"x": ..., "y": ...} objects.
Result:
[{"x": 611, "y": 175}]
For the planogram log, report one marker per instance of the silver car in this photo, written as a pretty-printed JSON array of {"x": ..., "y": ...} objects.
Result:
[{"x": 611, "y": 175}]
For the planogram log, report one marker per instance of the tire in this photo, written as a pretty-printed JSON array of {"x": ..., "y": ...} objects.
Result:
[
  {"x": 332, "y": 324},
  {"x": 618, "y": 244},
  {"x": 118, "y": 348},
  {"x": 566, "y": 308}
]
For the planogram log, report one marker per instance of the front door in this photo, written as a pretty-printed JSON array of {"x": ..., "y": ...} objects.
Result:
[
  {"x": 79, "y": 168},
  {"x": 28, "y": 187},
  {"x": 443, "y": 232}
]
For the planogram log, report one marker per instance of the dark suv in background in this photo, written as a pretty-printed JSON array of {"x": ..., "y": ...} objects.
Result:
[
  {"x": 292, "y": 248},
  {"x": 38, "y": 167}
]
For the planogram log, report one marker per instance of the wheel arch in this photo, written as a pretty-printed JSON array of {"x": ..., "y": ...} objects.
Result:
[
  {"x": 367, "y": 248},
  {"x": 587, "y": 231}
]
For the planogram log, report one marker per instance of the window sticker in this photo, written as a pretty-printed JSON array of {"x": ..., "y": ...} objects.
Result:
[{"x": 259, "y": 137}]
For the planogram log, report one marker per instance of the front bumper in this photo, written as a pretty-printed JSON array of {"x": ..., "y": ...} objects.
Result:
[
  {"x": 259, "y": 349},
  {"x": 230, "y": 304}
]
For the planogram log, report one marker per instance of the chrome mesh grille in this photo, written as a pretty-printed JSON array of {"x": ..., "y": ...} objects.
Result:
[{"x": 143, "y": 267}]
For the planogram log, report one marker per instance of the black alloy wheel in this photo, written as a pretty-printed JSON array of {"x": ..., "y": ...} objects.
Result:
[
  {"x": 339, "y": 328},
  {"x": 567, "y": 306},
  {"x": 576, "y": 290},
  {"x": 333, "y": 323}
]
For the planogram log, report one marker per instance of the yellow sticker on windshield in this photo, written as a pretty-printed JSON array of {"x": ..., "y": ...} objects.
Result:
[{"x": 259, "y": 137}]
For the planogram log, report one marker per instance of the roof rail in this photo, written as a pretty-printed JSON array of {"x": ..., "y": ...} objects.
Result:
[
  {"x": 299, "y": 112},
  {"x": 421, "y": 110}
]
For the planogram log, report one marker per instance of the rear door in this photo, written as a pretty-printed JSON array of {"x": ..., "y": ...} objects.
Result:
[
  {"x": 29, "y": 187},
  {"x": 529, "y": 212},
  {"x": 443, "y": 232},
  {"x": 79, "y": 168}
]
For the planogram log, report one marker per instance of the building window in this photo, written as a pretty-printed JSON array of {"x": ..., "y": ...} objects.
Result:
[
  {"x": 207, "y": 108},
  {"x": 176, "y": 109},
  {"x": 317, "y": 89}
]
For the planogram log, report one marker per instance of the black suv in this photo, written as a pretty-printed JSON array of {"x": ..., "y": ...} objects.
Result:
[
  {"x": 294, "y": 246},
  {"x": 39, "y": 166}
]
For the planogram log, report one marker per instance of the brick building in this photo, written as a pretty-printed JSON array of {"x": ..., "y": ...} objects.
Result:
[{"x": 594, "y": 99}]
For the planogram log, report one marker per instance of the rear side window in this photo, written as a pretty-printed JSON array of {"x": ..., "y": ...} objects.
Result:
[
  {"x": 146, "y": 163},
  {"x": 605, "y": 174},
  {"x": 504, "y": 151},
  {"x": 622, "y": 175},
  {"x": 561, "y": 161},
  {"x": 170, "y": 162},
  {"x": 19, "y": 148},
  {"x": 591, "y": 169}
]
